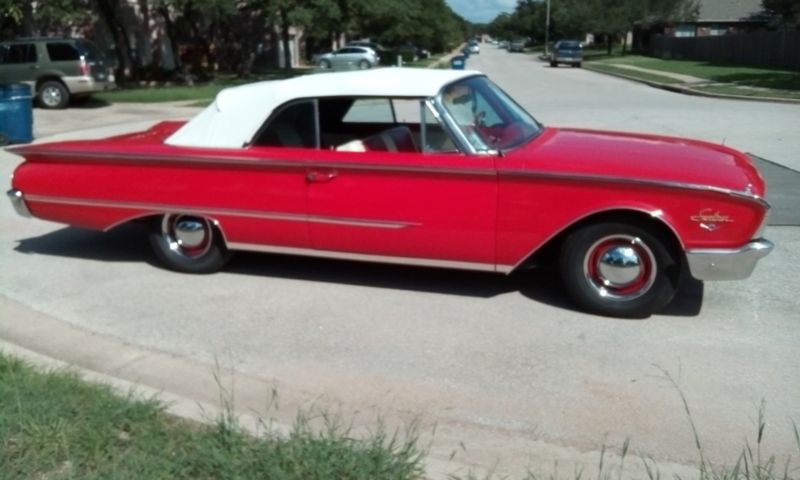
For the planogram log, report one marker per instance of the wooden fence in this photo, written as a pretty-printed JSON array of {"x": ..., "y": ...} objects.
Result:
[{"x": 778, "y": 49}]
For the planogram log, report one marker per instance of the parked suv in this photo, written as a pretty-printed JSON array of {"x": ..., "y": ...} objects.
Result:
[
  {"x": 58, "y": 69},
  {"x": 349, "y": 57}
]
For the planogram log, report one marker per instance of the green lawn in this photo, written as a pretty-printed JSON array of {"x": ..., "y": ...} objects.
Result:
[
  {"x": 762, "y": 78},
  {"x": 651, "y": 77},
  {"x": 54, "y": 426}
]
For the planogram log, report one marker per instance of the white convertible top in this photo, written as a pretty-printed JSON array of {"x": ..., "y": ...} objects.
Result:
[{"x": 237, "y": 113}]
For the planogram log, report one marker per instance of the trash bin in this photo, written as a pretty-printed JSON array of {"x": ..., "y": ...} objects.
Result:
[
  {"x": 458, "y": 62},
  {"x": 16, "y": 113}
]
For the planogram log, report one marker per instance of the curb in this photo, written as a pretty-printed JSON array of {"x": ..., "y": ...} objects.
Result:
[{"x": 691, "y": 91}]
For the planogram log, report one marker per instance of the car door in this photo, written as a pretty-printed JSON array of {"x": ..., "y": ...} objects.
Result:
[
  {"x": 419, "y": 207},
  {"x": 340, "y": 56},
  {"x": 270, "y": 198}
]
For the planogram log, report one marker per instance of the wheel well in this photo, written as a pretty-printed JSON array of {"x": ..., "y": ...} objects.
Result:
[
  {"x": 153, "y": 217},
  {"x": 49, "y": 78},
  {"x": 549, "y": 252}
]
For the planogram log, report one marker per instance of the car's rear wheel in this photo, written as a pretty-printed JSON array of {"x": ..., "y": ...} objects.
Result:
[
  {"x": 188, "y": 243},
  {"x": 324, "y": 64},
  {"x": 553, "y": 64},
  {"x": 619, "y": 270},
  {"x": 53, "y": 94},
  {"x": 363, "y": 65}
]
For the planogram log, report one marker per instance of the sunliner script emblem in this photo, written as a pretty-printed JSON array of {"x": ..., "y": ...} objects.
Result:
[{"x": 710, "y": 219}]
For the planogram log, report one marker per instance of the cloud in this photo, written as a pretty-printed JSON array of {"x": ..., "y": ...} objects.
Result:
[{"x": 481, "y": 11}]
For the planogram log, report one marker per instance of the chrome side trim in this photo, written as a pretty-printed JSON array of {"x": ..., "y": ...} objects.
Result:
[
  {"x": 255, "y": 163},
  {"x": 18, "y": 202},
  {"x": 207, "y": 212},
  {"x": 637, "y": 181},
  {"x": 362, "y": 257},
  {"x": 727, "y": 264}
]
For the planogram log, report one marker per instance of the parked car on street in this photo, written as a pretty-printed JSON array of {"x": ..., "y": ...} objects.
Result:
[
  {"x": 349, "y": 57},
  {"x": 473, "y": 47},
  {"x": 58, "y": 69},
  {"x": 418, "y": 167},
  {"x": 567, "y": 51},
  {"x": 516, "y": 46}
]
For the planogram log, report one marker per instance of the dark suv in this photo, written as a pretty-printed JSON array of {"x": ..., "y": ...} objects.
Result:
[
  {"x": 567, "y": 51},
  {"x": 58, "y": 69}
]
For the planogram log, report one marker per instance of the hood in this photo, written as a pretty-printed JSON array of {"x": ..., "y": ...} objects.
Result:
[{"x": 644, "y": 157}]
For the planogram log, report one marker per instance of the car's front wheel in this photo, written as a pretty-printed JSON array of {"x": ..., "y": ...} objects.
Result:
[
  {"x": 553, "y": 64},
  {"x": 324, "y": 64},
  {"x": 188, "y": 243},
  {"x": 619, "y": 270},
  {"x": 53, "y": 94}
]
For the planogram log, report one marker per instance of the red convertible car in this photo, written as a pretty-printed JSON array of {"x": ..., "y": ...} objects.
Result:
[{"x": 414, "y": 166}]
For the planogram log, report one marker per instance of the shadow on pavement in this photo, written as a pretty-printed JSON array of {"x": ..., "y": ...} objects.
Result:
[{"x": 128, "y": 243}]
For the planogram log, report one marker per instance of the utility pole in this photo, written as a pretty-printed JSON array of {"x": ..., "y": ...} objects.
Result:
[{"x": 547, "y": 28}]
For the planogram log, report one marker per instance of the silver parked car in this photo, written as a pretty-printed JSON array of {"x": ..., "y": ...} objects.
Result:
[{"x": 349, "y": 57}]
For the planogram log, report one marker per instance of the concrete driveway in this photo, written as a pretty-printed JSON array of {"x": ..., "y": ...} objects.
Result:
[{"x": 507, "y": 370}]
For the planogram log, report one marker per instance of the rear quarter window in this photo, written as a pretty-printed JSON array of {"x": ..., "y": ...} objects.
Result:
[
  {"x": 62, "y": 52},
  {"x": 18, "y": 53}
]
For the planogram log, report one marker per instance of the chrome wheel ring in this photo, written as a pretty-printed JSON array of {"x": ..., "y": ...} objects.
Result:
[
  {"x": 187, "y": 235},
  {"x": 620, "y": 267}
]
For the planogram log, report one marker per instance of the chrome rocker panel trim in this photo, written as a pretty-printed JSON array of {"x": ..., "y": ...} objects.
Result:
[
  {"x": 18, "y": 202},
  {"x": 727, "y": 264},
  {"x": 364, "y": 257}
]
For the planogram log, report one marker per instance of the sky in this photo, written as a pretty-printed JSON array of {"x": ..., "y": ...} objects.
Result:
[{"x": 481, "y": 11}]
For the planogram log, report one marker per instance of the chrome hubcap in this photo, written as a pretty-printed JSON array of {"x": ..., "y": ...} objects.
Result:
[
  {"x": 620, "y": 267},
  {"x": 187, "y": 235},
  {"x": 51, "y": 96}
]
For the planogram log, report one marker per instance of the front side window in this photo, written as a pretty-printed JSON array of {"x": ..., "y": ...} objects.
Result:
[
  {"x": 486, "y": 117},
  {"x": 62, "y": 52}
]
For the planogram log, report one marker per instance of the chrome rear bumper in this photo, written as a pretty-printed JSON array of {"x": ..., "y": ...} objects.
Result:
[
  {"x": 18, "y": 203},
  {"x": 727, "y": 264}
]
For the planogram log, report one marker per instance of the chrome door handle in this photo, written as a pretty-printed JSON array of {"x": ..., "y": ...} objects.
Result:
[{"x": 320, "y": 175}]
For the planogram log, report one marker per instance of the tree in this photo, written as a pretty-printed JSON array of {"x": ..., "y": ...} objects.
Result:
[{"x": 786, "y": 11}]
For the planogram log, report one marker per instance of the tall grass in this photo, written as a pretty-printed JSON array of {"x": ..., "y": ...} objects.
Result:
[{"x": 55, "y": 426}]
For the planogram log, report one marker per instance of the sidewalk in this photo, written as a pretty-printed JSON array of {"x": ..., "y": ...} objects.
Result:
[{"x": 688, "y": 84}]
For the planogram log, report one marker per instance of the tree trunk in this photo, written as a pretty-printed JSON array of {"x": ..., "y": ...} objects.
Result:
[
  {"x": 284, "y": 27},
  {"x": 122, "y": 47},
  {"x": 169, "y": 28},
  {"x": 609, "y": 44}
]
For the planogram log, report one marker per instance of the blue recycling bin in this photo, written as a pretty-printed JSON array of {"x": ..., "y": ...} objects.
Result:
[
  {"x": 458, "y": 62},
  {"x": 16, "y": 113}
]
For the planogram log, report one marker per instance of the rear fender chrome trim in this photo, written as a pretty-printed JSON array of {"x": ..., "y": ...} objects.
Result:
[
  {"x": 423, "y": 262},
  {"x": 220, "y": 212},
  {"x": 254, "y": 163}
]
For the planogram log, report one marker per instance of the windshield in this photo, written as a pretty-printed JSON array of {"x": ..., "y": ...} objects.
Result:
[{"x": 487, "y": 118}]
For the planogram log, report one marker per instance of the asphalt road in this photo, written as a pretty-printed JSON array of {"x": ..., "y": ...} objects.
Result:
[{"x": 504, "y": 366}]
